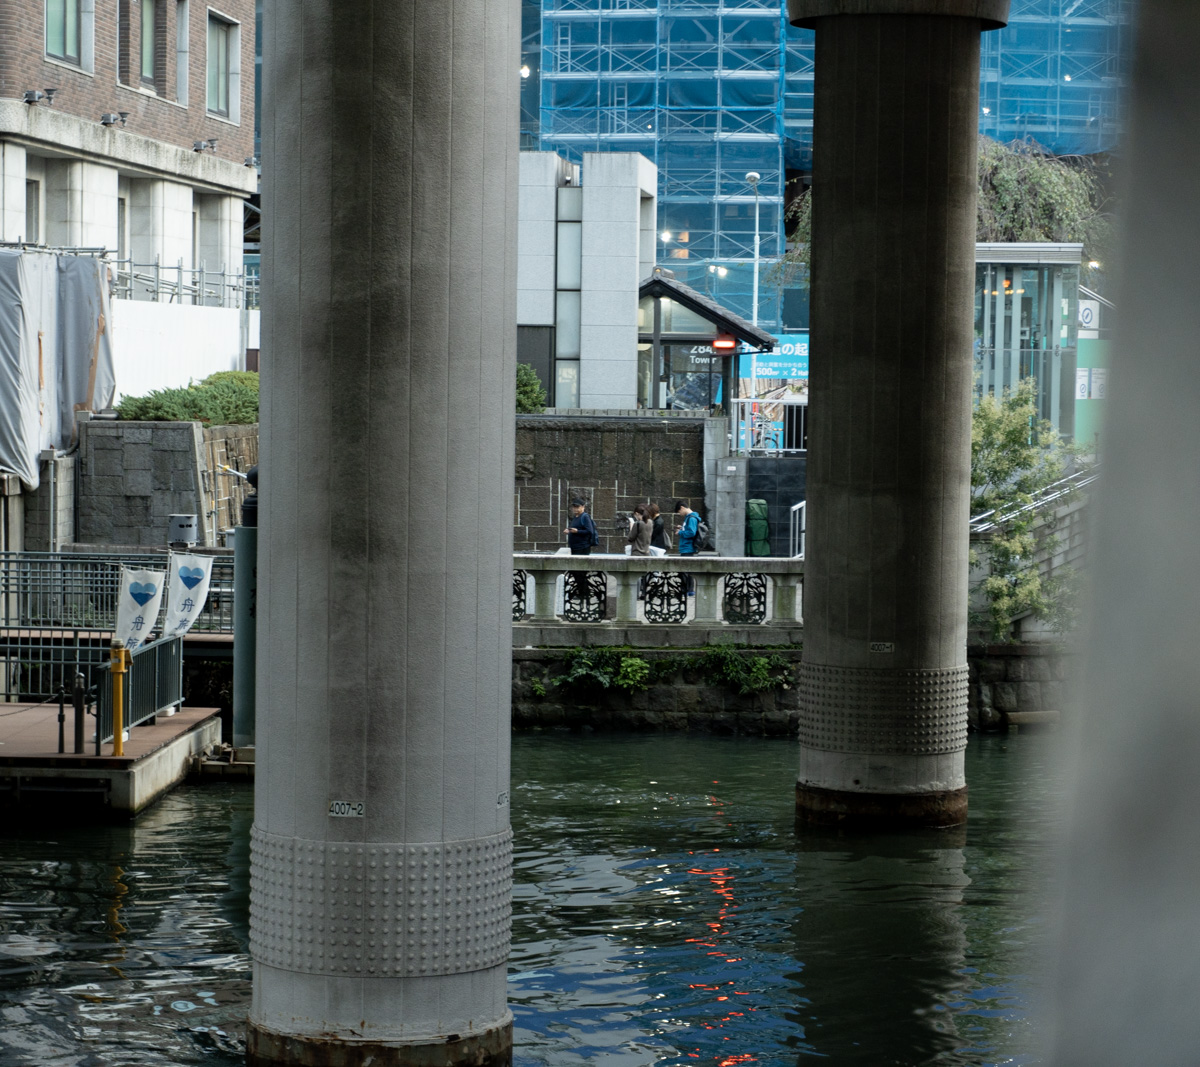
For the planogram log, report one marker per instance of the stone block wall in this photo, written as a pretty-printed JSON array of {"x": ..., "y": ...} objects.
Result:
[
  {"x": 685, "y": 702},
  {"x": 1016, "y": 678},
  {"x": 38, "y": 506},
  {"x": 1004, "y": 679},
  {"x": 133, "y": 475},
  {"x": 613, "y": 463}
]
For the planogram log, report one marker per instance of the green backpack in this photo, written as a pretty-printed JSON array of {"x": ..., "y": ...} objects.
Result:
[{"x": 758, "y": 530}]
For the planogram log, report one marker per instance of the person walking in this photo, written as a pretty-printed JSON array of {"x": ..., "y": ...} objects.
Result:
[
  {"x": 640, "y": 531},
  {"x": 687, "y": 532},
  {"x": 580, "y": 530},
  {"x": 686, "y": 538},
  {"x": 659, "y": 538}
]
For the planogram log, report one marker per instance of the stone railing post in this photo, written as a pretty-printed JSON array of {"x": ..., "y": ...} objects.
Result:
[
  {"x": 784, "y": 599},
  {"x": 627, "y": 583},
  {"x": 544, "y": 583},
  {"x": 707, "y": 585}
]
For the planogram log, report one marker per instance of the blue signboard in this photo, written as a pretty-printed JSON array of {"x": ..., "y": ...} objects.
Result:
[{"x": 788, "y": 360}]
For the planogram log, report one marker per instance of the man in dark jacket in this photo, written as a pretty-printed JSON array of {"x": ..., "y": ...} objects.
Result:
[{"x": 580, "y": 531}]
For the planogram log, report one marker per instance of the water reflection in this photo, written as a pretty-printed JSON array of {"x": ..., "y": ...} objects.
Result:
[
  {"x": 124, "y": 944},
  {"x": 665, "y": 912},
  {"x": 883, "y": 942}
]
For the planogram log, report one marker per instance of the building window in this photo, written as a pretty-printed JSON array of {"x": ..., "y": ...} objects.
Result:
[
  {"x": 220, "y": 34},
  {"x": 181, "y": 51},
  {"x": 148, "y": 41},
  {"x": 63, "y": 30},
  {"x": 33, "y": 212}
]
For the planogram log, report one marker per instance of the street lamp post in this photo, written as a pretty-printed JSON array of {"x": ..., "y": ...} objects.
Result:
[{"x": 752, "y": 177}]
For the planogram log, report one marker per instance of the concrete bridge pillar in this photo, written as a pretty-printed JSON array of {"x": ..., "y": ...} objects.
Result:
[
  {"x": 381, "y": 843},
  {"x": 883, "y": 686}
]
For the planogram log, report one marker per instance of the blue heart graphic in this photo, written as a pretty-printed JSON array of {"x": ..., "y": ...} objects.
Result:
[
  {"x": 191, "y": 576},
  {"x": 142, "y": 592}
]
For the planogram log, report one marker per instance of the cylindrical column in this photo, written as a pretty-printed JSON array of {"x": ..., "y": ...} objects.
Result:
[
  {"x": 883, "y": 686},
  {"x": 245, "y": 636},
  {"x": 379, "y": 915}
]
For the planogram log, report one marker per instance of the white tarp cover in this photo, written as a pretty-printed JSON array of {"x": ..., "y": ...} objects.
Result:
[{"x": 55, "y": 353}]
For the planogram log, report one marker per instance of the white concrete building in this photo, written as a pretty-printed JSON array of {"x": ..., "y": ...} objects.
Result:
[{"x": 585, "y": 241}]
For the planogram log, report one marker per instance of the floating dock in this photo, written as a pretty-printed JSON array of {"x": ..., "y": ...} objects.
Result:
[{"x": 35, "y": 778}]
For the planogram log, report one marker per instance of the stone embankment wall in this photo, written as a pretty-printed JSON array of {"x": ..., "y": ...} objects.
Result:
[
  {"x": 613, "y": 463},
  {"x": 1004, "y": 679},
  {"x": 1008, "y": 679},
  {"x": 684, "y": 701}
]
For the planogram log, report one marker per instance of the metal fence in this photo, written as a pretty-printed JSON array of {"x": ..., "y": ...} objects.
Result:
[
  {"x": 57, "y": 611},
  {"x": 153, "y": 685},
  {"x": 212, "y": 285},
  {"x": 769, "y": 426}
]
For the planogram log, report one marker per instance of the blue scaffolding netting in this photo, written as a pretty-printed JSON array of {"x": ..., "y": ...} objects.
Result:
[{"x": 712, "y": 90}]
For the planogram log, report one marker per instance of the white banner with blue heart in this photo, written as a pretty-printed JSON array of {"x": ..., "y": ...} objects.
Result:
[
  {"x": 188, "y": 591},
  {"x": 137, "y": 605}
]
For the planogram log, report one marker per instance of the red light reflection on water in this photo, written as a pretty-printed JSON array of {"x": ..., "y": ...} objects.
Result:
[{"x": 722, "y": 882}]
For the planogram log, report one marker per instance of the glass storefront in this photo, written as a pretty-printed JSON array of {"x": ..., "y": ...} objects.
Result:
[{"x": 1025, "y": 326}]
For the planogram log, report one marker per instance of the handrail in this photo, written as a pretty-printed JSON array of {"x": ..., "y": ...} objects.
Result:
[
  {"x": 154, "y": 686},
  {"x": 991, "y": 520}
]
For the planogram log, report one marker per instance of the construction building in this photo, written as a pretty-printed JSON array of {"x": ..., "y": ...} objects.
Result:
[{"x": 716, "y": 91}]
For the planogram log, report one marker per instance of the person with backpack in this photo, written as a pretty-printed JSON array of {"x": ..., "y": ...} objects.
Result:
[
  {"x": 693, "y": 534},
  {"x": 581, "y": 531}
]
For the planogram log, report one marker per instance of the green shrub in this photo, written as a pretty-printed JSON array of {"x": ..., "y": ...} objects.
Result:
[
  {"x": 633, "y": 674},
  {"x": 242, "y": 377},
  {"x": 720, "y": 665},
  {"x": 223, "y": 403}
]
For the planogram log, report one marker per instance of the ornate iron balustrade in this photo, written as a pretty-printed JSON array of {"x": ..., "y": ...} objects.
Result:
[{"x": 679, "y": 591}]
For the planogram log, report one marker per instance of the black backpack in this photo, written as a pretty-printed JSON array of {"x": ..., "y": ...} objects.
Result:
[{"x": 703, "y": 536}]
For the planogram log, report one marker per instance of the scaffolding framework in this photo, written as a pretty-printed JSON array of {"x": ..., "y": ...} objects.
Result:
[{"x": 713, "y": 89}]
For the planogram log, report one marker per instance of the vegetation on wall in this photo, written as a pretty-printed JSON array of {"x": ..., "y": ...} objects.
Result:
[
  {"x": 1014, "y": 456},
  {"x": 222, "y": 399},
  {"x": 728, "y": 666},
  {"x": 531, "y": 397}
]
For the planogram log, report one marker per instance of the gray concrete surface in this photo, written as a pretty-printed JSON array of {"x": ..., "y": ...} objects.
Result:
[{"x": 380, "y": 869}]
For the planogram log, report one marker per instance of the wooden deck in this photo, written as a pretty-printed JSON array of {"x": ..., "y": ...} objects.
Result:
[{"x": 34, "y": 775}]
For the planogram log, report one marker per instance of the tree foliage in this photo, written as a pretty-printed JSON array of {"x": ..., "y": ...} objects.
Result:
[
  {"x": 1027, "y": 195},
  {"x": 1024, "y": 194},
  {"x": 1014, "y": 457},
  {"x": 531, "y": 397}
]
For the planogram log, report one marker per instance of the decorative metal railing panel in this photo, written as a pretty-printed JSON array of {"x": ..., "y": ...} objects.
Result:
[
  {"x": 585, "y": 596},
  {"x": 520, "y": 599},
  {"x": 745, "y": 598},
  {"x": 665, "y": 597}
]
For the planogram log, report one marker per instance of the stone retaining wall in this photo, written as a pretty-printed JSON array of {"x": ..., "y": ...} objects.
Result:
[
  {"x": 1016, "y": 678},
  {"x": 613, "y": 463},
  {"x": 1004, "y": 679},
  {"x": 684, "y": 703}
]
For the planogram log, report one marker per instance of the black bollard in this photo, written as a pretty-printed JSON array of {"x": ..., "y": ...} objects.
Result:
[
  {"x": 77, "y": 699},
  {"x": 62, "y": 720}
]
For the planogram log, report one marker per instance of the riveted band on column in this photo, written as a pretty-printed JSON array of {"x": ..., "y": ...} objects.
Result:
[
  {"x": 380, "y": 909},
  {"x": 911, "y": 712}
]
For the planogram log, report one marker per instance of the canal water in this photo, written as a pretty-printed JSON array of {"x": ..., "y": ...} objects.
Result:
[{"x": 665, "y": 912}]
